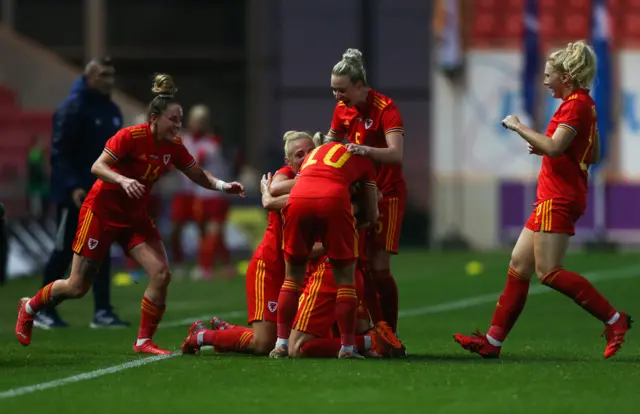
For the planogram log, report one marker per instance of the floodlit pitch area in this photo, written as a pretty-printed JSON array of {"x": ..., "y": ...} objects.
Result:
[{"x": 551, "y": 363}]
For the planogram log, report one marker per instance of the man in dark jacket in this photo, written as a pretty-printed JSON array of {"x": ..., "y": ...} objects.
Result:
[{"x": 82, "y": 124}]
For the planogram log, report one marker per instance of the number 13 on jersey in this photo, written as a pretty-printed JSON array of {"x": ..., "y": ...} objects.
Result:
[{"x": 150, "y": 174}]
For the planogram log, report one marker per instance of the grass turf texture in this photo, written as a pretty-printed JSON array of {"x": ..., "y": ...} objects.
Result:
[{"x": 552, "y": 362}]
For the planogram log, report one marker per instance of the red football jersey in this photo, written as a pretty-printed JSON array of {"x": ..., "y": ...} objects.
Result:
[
  {"x": 370, "y": 127},
  {"x": 329, "y": 170},
  {"x": 565, "y": 177},
  {"x": 139, "y": 156},
  {"x": 270, "y": 249}
]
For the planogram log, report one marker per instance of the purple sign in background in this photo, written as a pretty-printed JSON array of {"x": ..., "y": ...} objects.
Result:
[{"x": 621, "y": 208}]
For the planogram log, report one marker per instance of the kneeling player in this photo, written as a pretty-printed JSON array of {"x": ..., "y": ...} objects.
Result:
[
  {"x": 313, "y": 330},
  {"x": 319, "y": 208},
  {"x": 265, "y": 273}
]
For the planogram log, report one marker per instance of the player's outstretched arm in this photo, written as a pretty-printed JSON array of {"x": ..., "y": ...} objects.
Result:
[
  {"x": 102, "y": 169},
  {"x": 206, "y": 180},
  {"x": 390, "y": 155},
  {"x": 553, "y": 147}
]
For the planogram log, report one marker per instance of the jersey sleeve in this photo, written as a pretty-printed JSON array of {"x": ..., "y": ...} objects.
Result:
[
  {"x": 182, "y": 158},
  {"x": 337, "y": 126},
  {"x": 287, "y": 171},
  {"x": 391, "y": 121},
  {"x": 573, "y": 115},
  {"x": 119, "y": 145}
]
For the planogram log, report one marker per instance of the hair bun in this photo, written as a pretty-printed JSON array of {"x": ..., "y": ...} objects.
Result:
[
  {"x": 352, "y": 55},
  {"x": 163, "y": 85}
]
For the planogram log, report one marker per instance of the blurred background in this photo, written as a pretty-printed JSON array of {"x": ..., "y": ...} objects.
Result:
[{"x": 455, "y": 68}]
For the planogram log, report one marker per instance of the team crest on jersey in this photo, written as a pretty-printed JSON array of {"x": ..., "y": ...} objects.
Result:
[
  {"x": 166, "y": 158},
  {"x": 273, "y": 306},
  {"x": 368, "y": 123},
  {"x": 92, "y": 243}
]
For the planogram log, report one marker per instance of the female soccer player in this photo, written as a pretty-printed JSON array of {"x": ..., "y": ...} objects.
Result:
[
  {"x": 265, "y": 273},
  {"x": 116, "y": 210},
  {"x": 372, "y": 124},
  {"x": 569, "y": 146}
]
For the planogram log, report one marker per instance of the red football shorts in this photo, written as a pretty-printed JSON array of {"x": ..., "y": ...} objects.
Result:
[
  {"x": 263, "y": 283},
  {"x": 387, "y": 234},
  {"x": 95, "y": 236},
  {"x": 211, "y": 209},
  {"x": 555, "y": 216},
  {"x": 330, "y": 220},
  {"x": 317, "y": 305},
  {"x": 182, "y": 208}
]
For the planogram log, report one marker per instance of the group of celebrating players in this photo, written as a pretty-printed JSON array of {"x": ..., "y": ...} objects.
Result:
[{"x": 319, "y": 284}]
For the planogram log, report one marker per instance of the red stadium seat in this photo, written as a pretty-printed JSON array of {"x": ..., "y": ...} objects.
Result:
[
  {"x": 486, "y": 4},
  {"x": 577, "y": 27},
  {"x": 631, "y": 26},
  {"x": 548, "y": 28},
  {"x": 514, "y": 28},
  {"x": 484, "y": 25}
]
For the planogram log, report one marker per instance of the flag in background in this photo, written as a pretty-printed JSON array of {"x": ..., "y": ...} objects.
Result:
[
  {"x": 601, "y": 92},
  {"x": 532, "y": 68}
]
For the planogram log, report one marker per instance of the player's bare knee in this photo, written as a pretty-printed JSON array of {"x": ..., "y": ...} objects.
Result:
[
  {"x": 161, "y": 277},
  {"x": 76, "y": 288},
  {"x": 544, "y": 267},
  {"x": 261, "y": 345},
  {"x": 523, "y": 265},
  {"x": 264, "y": 339},
  {"x": 380, "y": 260}
]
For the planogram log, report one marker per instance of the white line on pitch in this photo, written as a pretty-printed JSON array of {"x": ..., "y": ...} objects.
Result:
[{"x": 624, "y": 273}]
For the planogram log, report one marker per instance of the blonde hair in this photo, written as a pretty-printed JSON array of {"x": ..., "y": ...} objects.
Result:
[
  {"x": 351, "y": 65},
  {"x": 292, "y": 136},
  {"x": 165, "y": 89},
  {"x": 578, "y": 60}
]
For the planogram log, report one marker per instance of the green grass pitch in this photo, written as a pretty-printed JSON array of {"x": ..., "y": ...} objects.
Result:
[{"x": 552, "y": 362}]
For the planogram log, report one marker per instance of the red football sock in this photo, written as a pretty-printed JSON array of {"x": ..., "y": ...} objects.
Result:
[
  {"x": 510, "y": 305},
  {"x": 347, "y": 313},
  {"x": 388, "y": 294},
  {"x": 151, "y": 317},
  {"x": 287, "y": 307},
  {"x": 206, "y": 251},
  {"x": 42, "y": 299},
  {"x": 581, "y": 291},
  {"x": 232, "y": 340},
  {"x": 371, "y": 297},
  {"x": 328, "y": 347}
]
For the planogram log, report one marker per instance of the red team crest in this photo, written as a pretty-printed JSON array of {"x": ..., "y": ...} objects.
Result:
[{"x": 273, "y": 306}]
